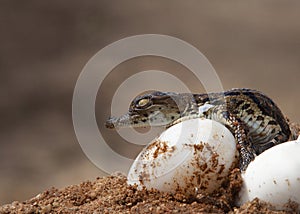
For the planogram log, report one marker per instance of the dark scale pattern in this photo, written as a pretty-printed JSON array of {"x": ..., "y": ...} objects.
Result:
[
  {"x": 263, "y": 118},
  {"x": 269, "y": 108}
]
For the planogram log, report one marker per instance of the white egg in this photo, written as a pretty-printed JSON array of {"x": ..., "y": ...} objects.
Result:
[
  {"x": 274, "y": 176},
  {"x": 192, "y": 156}
]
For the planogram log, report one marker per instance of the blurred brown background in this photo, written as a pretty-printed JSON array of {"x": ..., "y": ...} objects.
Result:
[{"x": 45, "y": 45}]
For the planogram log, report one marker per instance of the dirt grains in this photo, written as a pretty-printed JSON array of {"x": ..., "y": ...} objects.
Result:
[{"x": 112, "y": 195}]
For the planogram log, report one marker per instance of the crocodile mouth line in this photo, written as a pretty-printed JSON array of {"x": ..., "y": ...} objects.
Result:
[{"x": 127, "y": 120}]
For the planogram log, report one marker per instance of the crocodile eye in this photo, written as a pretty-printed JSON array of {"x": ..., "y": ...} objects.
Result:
[{"x": 143, "y": 102}]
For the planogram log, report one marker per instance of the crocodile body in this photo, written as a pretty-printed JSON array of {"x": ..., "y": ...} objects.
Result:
[{"x": 253, "y": 118}]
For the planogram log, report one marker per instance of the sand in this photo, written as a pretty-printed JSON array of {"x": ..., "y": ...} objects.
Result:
[{"x": 112, "y": 195}]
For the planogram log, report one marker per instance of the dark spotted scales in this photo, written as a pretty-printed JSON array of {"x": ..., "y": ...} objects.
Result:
[{"x": 254, "y": 119}]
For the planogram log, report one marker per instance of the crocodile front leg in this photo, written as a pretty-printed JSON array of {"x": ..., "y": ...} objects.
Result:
[{"x": 239, "y": 131}]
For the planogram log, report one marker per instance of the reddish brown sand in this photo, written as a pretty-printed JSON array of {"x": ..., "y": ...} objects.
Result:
[{"x": 113, "y": 195}]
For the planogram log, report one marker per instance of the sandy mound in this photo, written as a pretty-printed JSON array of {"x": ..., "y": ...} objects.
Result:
[{"x": 112, "y": 194}]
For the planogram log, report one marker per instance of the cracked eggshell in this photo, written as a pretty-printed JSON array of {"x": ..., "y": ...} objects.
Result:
[
  {"x": 194, "y": 155},
  {"x": 274, "y": 177}
]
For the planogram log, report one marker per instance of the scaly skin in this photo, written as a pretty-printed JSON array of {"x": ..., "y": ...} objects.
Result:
[{"x": 254, "y": 119}]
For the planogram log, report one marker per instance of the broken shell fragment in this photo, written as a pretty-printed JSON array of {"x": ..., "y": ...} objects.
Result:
[{"x": 192, "y": 156}]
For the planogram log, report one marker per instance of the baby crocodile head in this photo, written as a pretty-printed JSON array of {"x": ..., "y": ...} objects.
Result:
[{"x": 152, "y": 109}]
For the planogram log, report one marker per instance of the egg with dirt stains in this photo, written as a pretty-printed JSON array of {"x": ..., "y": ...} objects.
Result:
[
  {"x": 274, "y": 177},
  {"x": 191, "y": 157}
]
